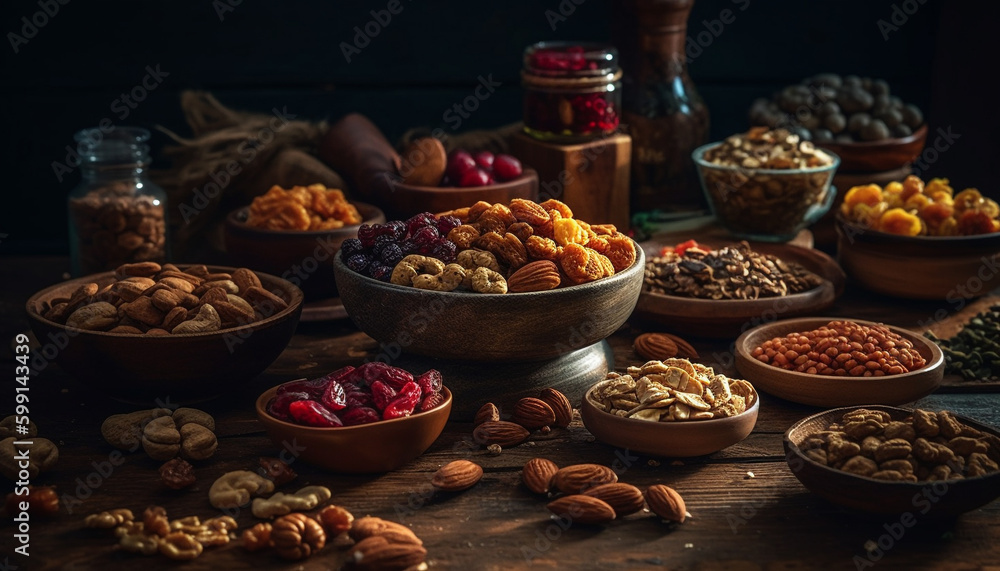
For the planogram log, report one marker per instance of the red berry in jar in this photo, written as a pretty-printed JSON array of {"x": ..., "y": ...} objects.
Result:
[
  {"x": 484, "y": 159},
  {"x": 312, "y": 413},
  {"x": 506, "y": 167},
  {"x": 474, "y": 177},
  {"x": 459, "y": 162}
]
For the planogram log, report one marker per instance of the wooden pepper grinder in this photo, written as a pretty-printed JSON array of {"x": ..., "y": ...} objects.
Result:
[{"x": 662, "y": 111}]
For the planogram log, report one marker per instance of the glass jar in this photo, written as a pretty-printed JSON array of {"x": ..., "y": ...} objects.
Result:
[
  {"x": 572, "y": 91},
  {"x": 116, "y": 215}
]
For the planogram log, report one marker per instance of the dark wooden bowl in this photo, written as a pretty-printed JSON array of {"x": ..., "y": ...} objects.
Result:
[
  {"x": 919, "y": 267},
  {"x": 947, "y": 499},
  {"x": 669, "y": 439},
  {"x": 364, "y": 449},
  {"x": 304, "y": 258},
  {"x": 184, "y": 368},
  {"x": 877, "y": 156},
  {"x": 720, "y": 319},
  {"x": 489, "y": 327},
  {"x": 824, "y": 390},
  {"x": 401, "y": 200}
]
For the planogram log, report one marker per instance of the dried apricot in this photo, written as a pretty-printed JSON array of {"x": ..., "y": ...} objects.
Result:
[
  {"x": 869, "y": 194},
  {"x": 568, "y": 231},
  {"x": 968, "y": 199},
  {"x": 976, "y": 222},
  {"x": 540, "y": 248},
  {"x": 912, "y": 185},
  {"x": 899, "y": 221},
  {"x": 582, "y": 264},
  {"x": 560, "y": 207},
  {"x": 529, "y": 211},
  {"x": 621, "y": 251}
]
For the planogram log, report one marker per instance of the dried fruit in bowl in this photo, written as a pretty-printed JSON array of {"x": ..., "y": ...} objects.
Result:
[{"x": 312, "y": 207}]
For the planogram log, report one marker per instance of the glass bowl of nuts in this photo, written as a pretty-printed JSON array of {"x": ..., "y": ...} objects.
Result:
[
  {"x": 823, "y": 361},
  {"x": 766, "y": 185},
  {"x": 907, "y": 463}
]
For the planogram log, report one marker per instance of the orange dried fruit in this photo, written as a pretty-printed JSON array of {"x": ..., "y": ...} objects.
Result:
[
  {"x": 912, "y": 185},
  {"x": 869, "y": 194},
  {"x": 540, "y": 248},
  {"x": 582, "y": 264},
  {"x": 899, "y": 221},
  {"x": 568, "y": 231},
  {"x": 560, "y": 207},
  {"x": 529, "y": 211}
]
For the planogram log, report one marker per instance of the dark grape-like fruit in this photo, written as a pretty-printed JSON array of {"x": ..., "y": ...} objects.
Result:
[
  {"x": 444, "y": 250},
  {"x": 420, "y": 221},
  {"x": 458, "y": 163},
  {"x": 359, "y": 262},
  {"x": 350, "y": 247},
  {"x": 388, "y": 253},
  {"x": 380, "y": 271},
  {"x": 425, "y": 236},
  {"x": 369, "y": 233},
  {"x": 484, "y": 159},
  {"x": 446, "y": 224}
]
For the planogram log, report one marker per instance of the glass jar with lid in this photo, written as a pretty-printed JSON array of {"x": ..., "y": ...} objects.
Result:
[
  {"x": 116, "y": 214},
  {"x": 572, "y": 91}
]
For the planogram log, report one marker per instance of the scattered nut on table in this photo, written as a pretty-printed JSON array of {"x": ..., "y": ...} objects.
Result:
[
  {"x": 234, "y": 489},
  {"x": 42, "y": 454},
  {"x": 280, "y": 503}
]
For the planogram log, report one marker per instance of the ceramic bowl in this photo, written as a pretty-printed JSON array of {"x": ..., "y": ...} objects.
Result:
[
  {"x": 183, "y": 368},
  {"x": 827, "y": 391},
  {"x": 302, "y": 257},
  {"x": 668, "y": 439},
  {"x": 364, "y": 449},
  {"x": 770, "y": 205},
  {"x": 918, "y": 499},
  {"x": 919, "y": 267},
  {"x": 878, "y": 156},
  {"x": 471, "y": 326},
  {"x": 401, "y": 201}
]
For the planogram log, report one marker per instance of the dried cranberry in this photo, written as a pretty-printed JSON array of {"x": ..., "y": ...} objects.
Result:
[
  {"x": 426, "y": 235},
  {"x": 356, "y": 396},
  {"x": 430, "y": 382},
  {"x": 334, "y": 398},
  {"x": 458, "y": 163},
  {"x": 404, "y": 403},
  {"x": 359, "y": 415},
  {"x": 338, "y": 375},
  {"x": 506, "y": 167},
  {"x": 432, "y": 400},
  {"x": 312, "y": 413},
  {"x": 420, "y": 221},
  {"x": 350, "y": 247},
  {"x": 474, "y": 177},
  {"x": 359, "y": 262},
  {"x": 278, "y": 406},
  {"x": 446, "y": 224},
  {"x": 314, "y": 388},
  {"x": 484, "y": 159},
  {"x": 382, "y": 394}
]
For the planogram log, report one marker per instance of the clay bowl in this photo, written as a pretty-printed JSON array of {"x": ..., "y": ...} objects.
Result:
[
  {"x": 728, "y": 318},
  {"x": 469, "y": 326},
  {"x": 364, "y": 449},
  {"x": 919, "y": 267},
  {"x": 401, "y": 200},
  {"x": 946, "y": 499},
  {"x": 826, "y": 391},
  {"x": 302, "y": 257},
  {"x": 184, "y": 368},
  {"x": 878, "y": 156},
  {"x": 669, "y": 439}
]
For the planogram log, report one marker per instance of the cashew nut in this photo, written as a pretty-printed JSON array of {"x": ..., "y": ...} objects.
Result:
[
  {"x": 160, "y": 438},
  {"x": 485, "y": 280},
  {"x": 206, "y": 320},
  {"x": 8, "y": 427},
  {"x": 94, "y": 317},
  {"x": 412, "y": 266},
  {"x": 280, "y": 504},
  {"x": 42, "y": 454},
  {"x": 197, "y": 442},
  {"x": 448, "y": 279},
  {"x": 124, "y": 431},
  {"x": 233, "y": 489},
  {"x": 185, "y": 415}
]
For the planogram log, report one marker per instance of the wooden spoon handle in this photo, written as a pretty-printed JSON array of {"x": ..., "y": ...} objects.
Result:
[{"x": 356, "y": 149}]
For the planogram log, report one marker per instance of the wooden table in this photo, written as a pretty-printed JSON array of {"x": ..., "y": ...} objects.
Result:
[{"x": 748, "y": 510}]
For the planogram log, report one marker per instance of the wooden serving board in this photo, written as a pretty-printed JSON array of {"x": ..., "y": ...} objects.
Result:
[{"x": 951, "y": 325}]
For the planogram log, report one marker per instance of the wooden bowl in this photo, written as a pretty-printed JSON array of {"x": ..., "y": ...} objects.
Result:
[
  {"x": 728, "y": 318},
  {"x": 823, "y": 390},
  {"x": 489, "y": 327},
  {"x": 302, "y": 257},
  {"x": 669, "y": 439},
  {"x": 919, "y": 267},
  {"x": 877, "y": 156},
  {"x": 401, "y": 200},
  {"x": 947, "y": 499},
  {"x": 364, "y": 449},
  {"x": 184, "y": 368}
]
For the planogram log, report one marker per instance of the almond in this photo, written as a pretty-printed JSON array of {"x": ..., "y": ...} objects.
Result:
[
  {"x": 624, "y": 498},
  {"x": 457, "y": 476},
  {"x": 665, "y": 502},
  {"x": 533, "y": 413},
  {"x": 540, "y": 275},
  {"x": 655, "y": 347},
  {"x": 379, "y": 553},
  {"x": 488, "y": 412},
  {"x": 537, "y": 474},
  {"x": 578, "y": 508},
  {"x": 245, "y": 279},
  {"x": 560, "y": 406},
  {"x": 370, "y": 526},
  {"x": 500, "y": 432},
  {"x": 578, "y": 477}
]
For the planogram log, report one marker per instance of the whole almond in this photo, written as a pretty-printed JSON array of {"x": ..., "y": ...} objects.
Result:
[
  {"x": 500, "y": 432},
  {"x": 624, "y": 498},
  {"x": 378, "y": 553},
  {"x": 540, "y": 275},
  {"x": 579, "y": 477},
  {"x": 578, "y": 508},
  {"x": 665, "y": 502},
  {"x": 537, "y": 474},
  {"x": 457, "y": 476},
  {"x": 141, "y": 269},
  {"x": 533, "y": 413},
  {"x": 560, "y": 406},
  {"x": 486, "y": 413},
  {"x": 370, "y": 526},
  {"x": 245, "y": 279},
  {"x": 655, "y": 347}
]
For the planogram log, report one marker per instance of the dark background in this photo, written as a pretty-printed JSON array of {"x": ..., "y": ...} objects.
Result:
[{"x": 256, "y": 56}]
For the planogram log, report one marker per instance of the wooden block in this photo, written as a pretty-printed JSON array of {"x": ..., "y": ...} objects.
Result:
[{"x": 592, "y": 178}]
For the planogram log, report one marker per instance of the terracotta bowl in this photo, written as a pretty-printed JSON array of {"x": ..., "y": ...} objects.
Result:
[
  {"x": 489, "y": 327},
  {"x": 878, "y": 156},
  {"x": 669, "y": 439},
  {"x": 364, "y": 449},
  {"x": 947, "y": 499},
  {"x": 822, "y": 390},
  {"x": 919, "y": 267},
  {"x": 184, "y": 368},
  {"x": 400, "y": 200},
  {"x": 302, "y": 257}
]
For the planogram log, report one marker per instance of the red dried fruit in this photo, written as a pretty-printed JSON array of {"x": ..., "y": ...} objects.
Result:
[
  {"x": 314, "y": 388},
  {"x": 177, "y": 474},
  {"x": 276, "y": 471},
  {"x": 474, "y": 177},
  {"x": 432, "y": 400},
  {"x": 506, "y": 167},
  {"x": 382, "y": 394},
  {"x": 404, "y": 403},
  {"x": 334, "y": 398},
  {"x": 484, "y": 159},
  {"x": 419, "y": 221},
  {"x": 312, "y": 413},
  {"x": 359, "y": 415},
  {"x": 430, "y": 382},
  {"x": 458, "y": 163},
  {"x": 356, "y": 396},
  {"x": 278, "y": 407},
  {"x": 379, "y": 371}
]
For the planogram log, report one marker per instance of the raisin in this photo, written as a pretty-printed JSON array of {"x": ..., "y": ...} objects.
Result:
[
  {"x": 277, "y": 471},
  {"x": 420, "y": 221},
  {"x": 380, "y": 271},
  {"x": 177, "y": 474},
  {"x": 359, "y": 415},
  {"x": 426, "y": 236},
  {"x": 430, "y": 382},
  {"x": 314, "y": 387},
  {"x": 446, "y": 224},
  {"x": 339, "y": 375},
  {"x": 444, "y": 250},
  {"x": 312, "y": 413},
  {"x": 334, "y": 398},
  {"x": 405, "y": 402},
  {"x": 382, "y": 394},
  {"x": 388, "y": 253},
  {"x": 359, "y": 263},
  {"x": 368, "y": 234},
  {"x": 350, "y": 247}
]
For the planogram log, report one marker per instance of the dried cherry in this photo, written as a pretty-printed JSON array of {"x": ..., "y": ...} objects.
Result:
[
  {"x": 278, "y": 407},
  {"x": 432, "y": 400},
  {"x": 430, "y": 382},
  {"x": 382, "y": 394},
  {"x": 359, "y": 415},
  {"x": 446, "y": 224},
  {"x": 421, "y": 221},
  {"x": 405, "y": 402},
  {"x": 334, "y": 398},
  {"x": 312, "y": 413}
]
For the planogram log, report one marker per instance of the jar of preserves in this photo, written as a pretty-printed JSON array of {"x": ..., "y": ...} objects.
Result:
[
  {"x": 116, "y": 214},
  {"x": 572, "y": 91}
]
